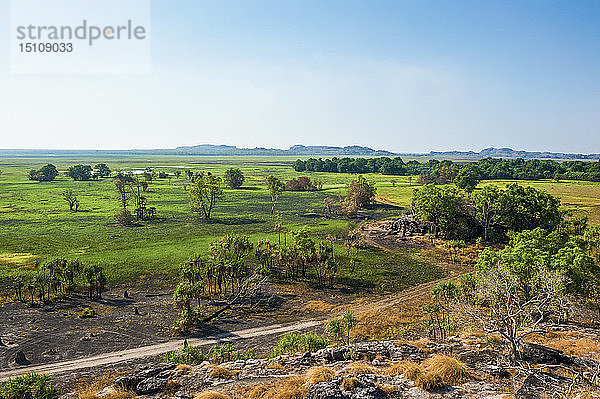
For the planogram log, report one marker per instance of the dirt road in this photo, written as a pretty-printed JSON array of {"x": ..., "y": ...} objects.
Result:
[{"x": 153, "y": 350}]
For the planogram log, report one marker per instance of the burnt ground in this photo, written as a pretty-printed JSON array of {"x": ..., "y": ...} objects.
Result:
[{"x": 56, "y": 332}]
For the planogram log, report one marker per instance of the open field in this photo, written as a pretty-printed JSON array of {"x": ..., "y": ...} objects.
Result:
[{"x": 37, "y": 226}]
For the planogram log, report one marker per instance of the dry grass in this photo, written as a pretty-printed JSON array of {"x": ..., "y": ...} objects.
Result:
[
  {"x": 290, "y": 388},
  {"x": 429, "y": 381},
  {"x": 223, "y": 373},
  {"x": 172, "y": 387},
  {"x": 318, "y": 306},
  {"x": 391, "y": 322},
  {"x": 573, "y": 343},
  {"x": 349, "y": 383},
  {"x": 183, "y": 368},
  {"x": 387, "y": 390},
  {"x": 257, "y": 391},
  {"x": 450, "y": 370},
  {"x": 210, "y": 395},
  {"x": 319, "y": 374},
  {"x": 358, "y": 368},
  {"x": 410, "y": 370},
  {"x": 88, "y": 388},
  {"x": 110, "y": 394},
  {"x": 275, "y": 366}
]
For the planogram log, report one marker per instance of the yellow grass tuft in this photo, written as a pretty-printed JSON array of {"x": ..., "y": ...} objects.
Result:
[
  {"x": 210, "y": 395},
  {"x": 387, "y": 390},
  {"x": 257, "y": 392},
  {"x": 319, "y": 374},
  {"x": 290, "y": 388},
  {"x": 349, "y": 383},
  {"x": 358, "y": 368},
  {"x": 222, "y": 373},
  {"x": 430, "y": 381},
  {"x": 410, "y": 370},
  {"x": 183, "y": 368},
  {"x": 450, "y": 370}
]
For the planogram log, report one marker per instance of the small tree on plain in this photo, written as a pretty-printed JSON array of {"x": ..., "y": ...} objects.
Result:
[
  {"x": 275, "y": 187},
  {"x": 234, "y": 178},
  {"x": 204, "y": 192},
  {"x": 71, "y": 199}
]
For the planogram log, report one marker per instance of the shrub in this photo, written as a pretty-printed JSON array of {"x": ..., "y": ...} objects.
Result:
[
  {"x": 31, "y": 385},
  {"x": 358, "y": 368},
  {"x": 291, "y": 343},
  {"x": 319, "y": 374},
  {"x": 234, "y": 177},
  {"x": 125, "y": 218},
  {"x": 189, "y": 355},
  {"x": 303, "y": 183},
  {"x": 290, "y": 388}
]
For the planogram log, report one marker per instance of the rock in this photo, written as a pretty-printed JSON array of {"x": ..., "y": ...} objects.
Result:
[
  {"x": 539, "y": 354},
  {"x": 370, "y": 350},
  {"x": 543, "y": 385},
  {"x": 125, "y": 294},
  {"x": 325, "y": 390},
  {"x": 108, "y": 391},
  {"x": 1, "y": 343},
  {"x": 154, "y": 369},
  {"x": 127, "y": 382},
  {"x": 150, "y": 385},
  {"x": 183, "y": 395},
  {"x": 21, "y": 359}
]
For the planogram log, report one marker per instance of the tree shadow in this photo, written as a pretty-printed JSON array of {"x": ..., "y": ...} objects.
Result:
[
  {"x": 249, "y": 188},
  {"x": 233, "y": 221}
]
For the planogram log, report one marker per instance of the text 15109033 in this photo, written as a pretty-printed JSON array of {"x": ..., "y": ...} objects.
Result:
[{"x": 46, "y": 47}]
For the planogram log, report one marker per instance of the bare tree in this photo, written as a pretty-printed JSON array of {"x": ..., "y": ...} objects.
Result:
[{"x": 71, "y": 199}]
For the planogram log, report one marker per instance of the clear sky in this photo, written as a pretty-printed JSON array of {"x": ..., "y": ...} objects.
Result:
[{"x": 407, "y": 76}]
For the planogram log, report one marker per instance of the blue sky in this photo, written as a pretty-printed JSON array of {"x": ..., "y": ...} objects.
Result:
[{"x": 405, "y": 76}]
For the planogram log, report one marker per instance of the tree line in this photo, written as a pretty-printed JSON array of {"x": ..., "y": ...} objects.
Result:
[{"x": 442, "y": 172}]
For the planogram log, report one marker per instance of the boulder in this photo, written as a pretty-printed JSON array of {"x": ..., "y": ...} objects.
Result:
[
  {"x": 325, "y": 390},
  {"x": 541, "y": 354},
  {"x": 127, "y": 382},
  {"x": 150, "y": 385},
  {"x": 154, "y": 369},
  {"x": 540, "y": 385},
  {"x": 21, "y": 359}
]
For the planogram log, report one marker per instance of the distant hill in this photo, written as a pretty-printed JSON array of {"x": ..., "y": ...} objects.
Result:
[
  {"x": 301, "y": 150},
  {"x": 510, "y": 153}
]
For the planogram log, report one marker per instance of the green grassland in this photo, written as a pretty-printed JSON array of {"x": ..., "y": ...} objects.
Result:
[{"x": 36, "y": 224}]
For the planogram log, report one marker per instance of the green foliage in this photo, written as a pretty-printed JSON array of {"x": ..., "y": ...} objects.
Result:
[
  {"x": 45, "y": 173},
  {"x": 339, "y": 329},
  {"x": 204, "y": 192},
  {"x": 71, "y": 199},
  {"x": 102, "y": 170},
  {"x": 275, "y": 187},
  {"x": 468, "y": 177},
  {"x": 191, "y": 355},
  {"x": 291, "y": 343},
  {"x": 80, "y": 172},
  {"x": 234, "y": 177},
  {"x": 523, "y": 208},
  {"x": 444, "y": 207},
  {"x": 31, "y": 385}
]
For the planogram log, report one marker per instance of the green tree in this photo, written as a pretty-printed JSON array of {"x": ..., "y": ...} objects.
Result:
[
  {"x": 80, "y": 172},
  {"x": 524, "y": 208},
  {"x": 486, "y": 203},
  {"x": 442, "y": 206},
  {"x": 275, "y": 187},
  {"x": 204, "y": 192},
  {"x": 234, "y": 177},
  {"x": 45, "y": 173},
  {"x": 102, "y": 170},
  {"x": 468, "y": 177}
]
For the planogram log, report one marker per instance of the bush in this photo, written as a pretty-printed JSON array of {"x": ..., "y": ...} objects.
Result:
[
  {"x": 125, "y": 218},
  {"x": 234, "y": 178},
  {"x": 190, "y": 355},
  {"x": 31, "y": 385},
  {"x": 291, "y": 343},
  {"x": 222, "y": 373},
  {"x": 303, "y": 183}
]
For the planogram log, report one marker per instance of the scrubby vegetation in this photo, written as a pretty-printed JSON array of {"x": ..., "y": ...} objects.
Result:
[{"x": 31, "y": 385}]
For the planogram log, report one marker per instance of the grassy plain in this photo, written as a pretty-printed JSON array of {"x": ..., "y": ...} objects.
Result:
[{"x": 35, "y": 224}]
